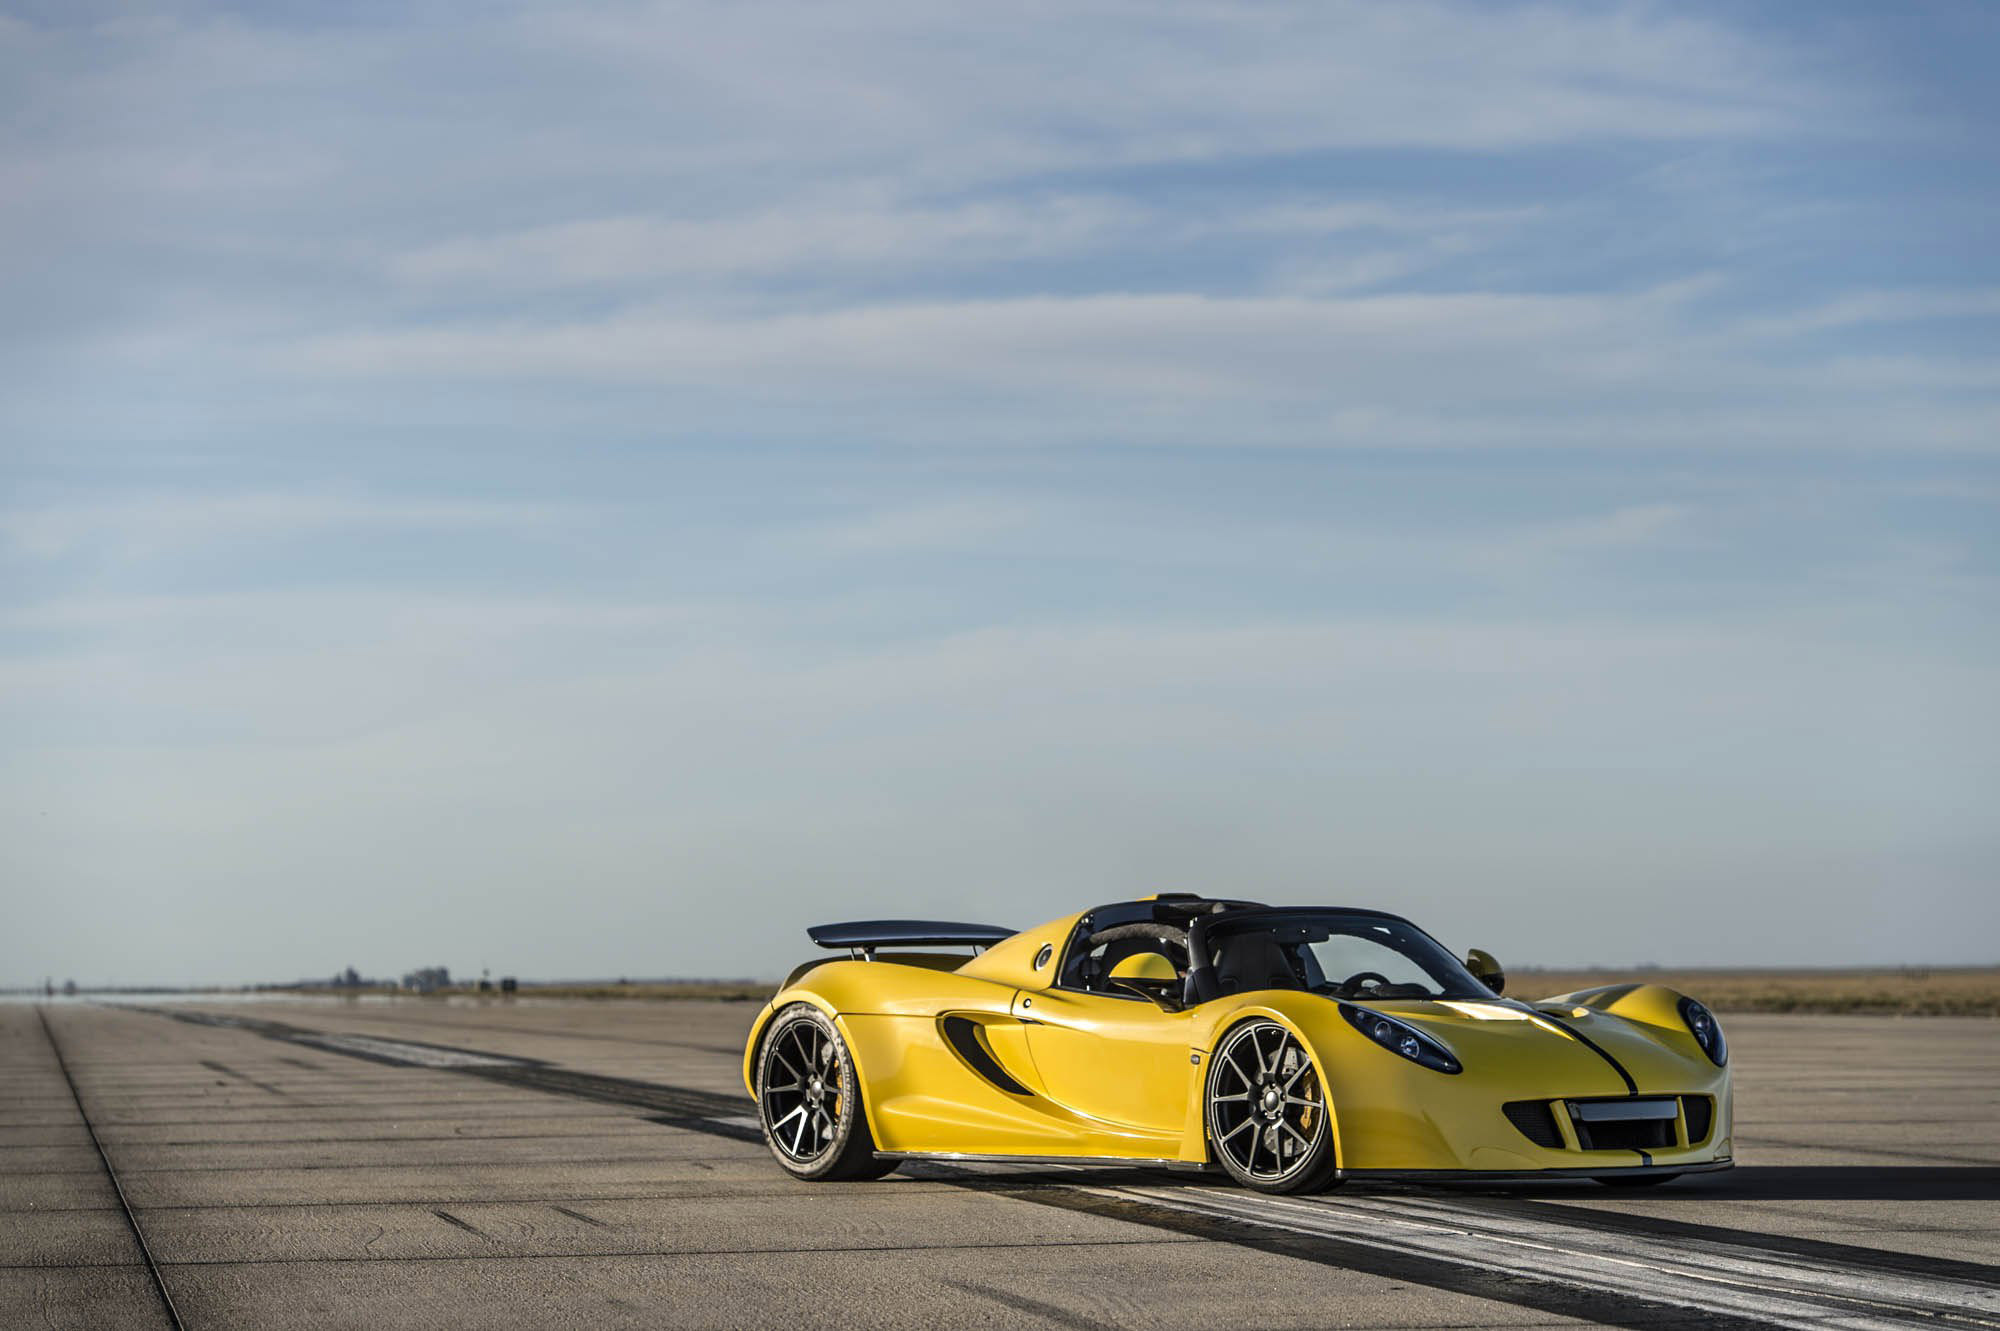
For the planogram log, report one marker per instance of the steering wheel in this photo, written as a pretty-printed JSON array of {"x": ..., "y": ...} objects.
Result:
[{"x": 1353, "y": 982}]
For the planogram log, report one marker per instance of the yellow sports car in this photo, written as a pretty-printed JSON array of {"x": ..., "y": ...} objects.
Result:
[{"x": 1290, "y": 1047}]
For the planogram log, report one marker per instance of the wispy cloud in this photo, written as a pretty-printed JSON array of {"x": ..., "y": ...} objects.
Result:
[
  {"x": 624, "y": 249},
  {"x": 153, "y": 522},
  {"x": 1582, "y": 370}
]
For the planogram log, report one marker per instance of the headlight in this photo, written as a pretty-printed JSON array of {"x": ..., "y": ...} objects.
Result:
[
  {"x": 1706, "y": 1030},
  {"x": 1401, "y": 1038}
]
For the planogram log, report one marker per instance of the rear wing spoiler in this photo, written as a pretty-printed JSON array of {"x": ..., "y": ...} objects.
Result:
[{"x": 864, "y": 936}]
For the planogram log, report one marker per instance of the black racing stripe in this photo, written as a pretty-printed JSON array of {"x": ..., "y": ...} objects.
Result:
[{"x": 1631, "y": 1086}]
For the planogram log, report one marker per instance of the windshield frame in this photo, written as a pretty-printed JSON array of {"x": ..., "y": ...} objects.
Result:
[{"x": 1454, "y": 981}]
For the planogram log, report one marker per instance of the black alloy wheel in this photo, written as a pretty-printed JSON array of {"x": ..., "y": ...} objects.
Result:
[
  {"x": 809, "y": 1100},
  {"x": 1267, "y": 1115}
]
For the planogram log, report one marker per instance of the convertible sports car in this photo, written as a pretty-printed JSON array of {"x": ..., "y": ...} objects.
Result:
[{"x": 1291, "y": 1047}]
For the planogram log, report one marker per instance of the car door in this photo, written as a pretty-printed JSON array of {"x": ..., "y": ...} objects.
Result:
[{"x": 1121, "y": 1060}]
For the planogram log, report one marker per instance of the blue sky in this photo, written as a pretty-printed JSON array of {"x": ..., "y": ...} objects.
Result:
[{"x": 593, "y": 491}]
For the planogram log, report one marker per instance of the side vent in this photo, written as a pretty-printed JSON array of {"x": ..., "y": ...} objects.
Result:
[
  {"x": 962, "y": 1033},
  {"x": 1536, "y": 1122},
  {"x": 1700, "y": 1113}
]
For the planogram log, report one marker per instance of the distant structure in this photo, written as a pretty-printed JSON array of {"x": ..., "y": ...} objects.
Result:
[
  {"x": 348, "y": 979},
  {"x": 427, "y": 979},
  {"x": 69, "y": 988},
  {"x": 508, "y": 984}
]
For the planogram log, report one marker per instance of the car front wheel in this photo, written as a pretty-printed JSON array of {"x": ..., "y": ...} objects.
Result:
[{"x": 1267, "y": 1113}]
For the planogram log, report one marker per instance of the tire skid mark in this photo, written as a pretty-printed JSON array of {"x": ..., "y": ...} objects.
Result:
[
  {"x": 243, "y": 1077},
  {"x": 451, "y": 1219},
  {"x": 1729, "y": 1280},
  {"x": 578, "y": 1215}
]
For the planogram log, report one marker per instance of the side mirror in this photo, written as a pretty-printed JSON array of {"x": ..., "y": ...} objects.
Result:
[
  {"x": 1485, "y": 968},
  {"x": 1152, "y": 977}
]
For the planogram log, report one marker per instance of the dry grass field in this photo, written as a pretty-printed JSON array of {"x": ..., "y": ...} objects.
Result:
[
  {"x": 725, "y": 991},
  {"x": 1905, "y": 991}
]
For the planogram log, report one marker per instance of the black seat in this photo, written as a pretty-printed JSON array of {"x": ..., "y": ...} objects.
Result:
[{"x": 1253, "y": 961}]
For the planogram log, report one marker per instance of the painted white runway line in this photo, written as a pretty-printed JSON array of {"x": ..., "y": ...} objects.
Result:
[
  {"x": 411, "y": 1055},
  {"x": 1717, "y": 1278}
]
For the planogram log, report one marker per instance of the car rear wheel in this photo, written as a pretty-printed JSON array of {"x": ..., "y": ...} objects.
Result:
[
  {"x": 809, "y": 1100},
  {"x": 1267, "y": 1113}
]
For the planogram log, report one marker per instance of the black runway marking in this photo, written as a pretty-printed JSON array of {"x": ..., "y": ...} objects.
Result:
[
  {"x": 678, "y": 1107},
  {"x": 1884, "y": 1260},
  {"x": 228, "y": 1071},
  {"x": 1033, "y": 1307},
  {"x": 451, "y": 1219},
  {"x": 656, "y": 1253},
  {"x": 405, "y": 1019},
  {"x": 578, "y": 1215},
  {"x": 138, "y": 1235},
  {"x": 1560, "y": 1300}
]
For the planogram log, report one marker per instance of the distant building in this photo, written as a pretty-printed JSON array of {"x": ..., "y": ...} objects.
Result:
[{"x": 428, "y": 979}]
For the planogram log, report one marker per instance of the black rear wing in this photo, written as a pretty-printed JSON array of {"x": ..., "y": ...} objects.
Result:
[{"x": 864, "y": 936}]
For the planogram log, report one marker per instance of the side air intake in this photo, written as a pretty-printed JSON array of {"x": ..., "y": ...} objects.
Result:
[
  {"x": 964, "y": 1036},
  {"x": 1537, "y": 1122},
  {"x": 1700, "y": 1113}
]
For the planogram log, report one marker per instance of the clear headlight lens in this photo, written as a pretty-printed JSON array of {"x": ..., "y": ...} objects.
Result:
[
  {"x": 1401, "y": 1038},
  {"x": 1707, "y": 1031}
]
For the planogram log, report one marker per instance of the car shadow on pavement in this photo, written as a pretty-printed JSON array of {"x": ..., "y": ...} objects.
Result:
[
  {"x": 1797, "y": 1183},
  {"x": 1898, "y": 1183},
  {"x": 1791, "y": 1183}
]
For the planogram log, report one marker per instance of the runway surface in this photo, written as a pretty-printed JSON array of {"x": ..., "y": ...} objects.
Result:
[{"x": 409, "y": 1163}]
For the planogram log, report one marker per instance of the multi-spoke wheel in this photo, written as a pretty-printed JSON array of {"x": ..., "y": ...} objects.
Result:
[
  {"x": 1267, "y": 1119},
  {"x": 809, "y": 1100}
]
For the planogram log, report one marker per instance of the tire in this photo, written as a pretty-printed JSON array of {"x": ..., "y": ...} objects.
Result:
[
  {"x": 1266, "y": 1111},
  {"x": 1637, "y": 1180},
  {"x": 809, "y": 1100}
]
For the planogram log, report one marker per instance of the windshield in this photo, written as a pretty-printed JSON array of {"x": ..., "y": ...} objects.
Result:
[{"x": 1345, "y": 954}]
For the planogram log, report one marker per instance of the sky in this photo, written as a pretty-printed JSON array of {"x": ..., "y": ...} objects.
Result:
[{"x": 593, "y": 490}]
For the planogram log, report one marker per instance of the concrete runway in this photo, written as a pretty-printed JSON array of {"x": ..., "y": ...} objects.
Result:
[{"x": 421, "y": 1163}]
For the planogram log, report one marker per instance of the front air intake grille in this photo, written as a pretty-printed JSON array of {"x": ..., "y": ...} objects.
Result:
[
  {"x": 1626, "y": 1135},
  {"x": 1699, "y": 1111},
  {"x": 1537, "y": 1122}
]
